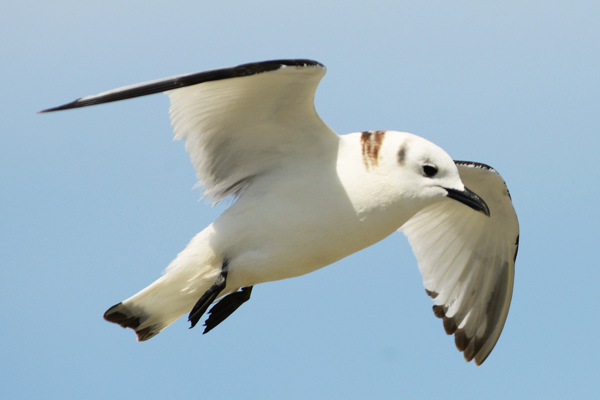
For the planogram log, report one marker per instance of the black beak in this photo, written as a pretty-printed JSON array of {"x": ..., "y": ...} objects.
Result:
[{"x": 469, "y": 198}]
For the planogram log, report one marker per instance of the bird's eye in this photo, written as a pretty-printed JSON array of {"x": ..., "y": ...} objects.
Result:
[{"x": 429, "y": 170}]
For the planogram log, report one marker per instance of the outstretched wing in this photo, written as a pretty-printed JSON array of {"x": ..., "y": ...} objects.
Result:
[
  {"x": 468, "y": 260},
  {"x": 240, "y": 122}
]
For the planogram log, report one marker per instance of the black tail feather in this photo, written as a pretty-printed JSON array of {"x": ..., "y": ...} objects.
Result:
[{"x": 124, "y": 316}]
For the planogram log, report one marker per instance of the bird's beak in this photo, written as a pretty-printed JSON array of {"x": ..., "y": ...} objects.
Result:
[{"x": 469, "y": 198}]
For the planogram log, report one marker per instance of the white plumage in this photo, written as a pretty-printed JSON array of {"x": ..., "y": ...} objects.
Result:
[{"x": 306, "y": 197}]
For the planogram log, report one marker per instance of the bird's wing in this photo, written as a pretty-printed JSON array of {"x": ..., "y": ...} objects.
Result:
[
  {"x": 241, "y": 122},
  {"x": 468, "y": 260}
]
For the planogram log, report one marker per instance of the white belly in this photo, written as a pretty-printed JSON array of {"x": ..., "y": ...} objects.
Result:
[{"x": 312, "y": 232}]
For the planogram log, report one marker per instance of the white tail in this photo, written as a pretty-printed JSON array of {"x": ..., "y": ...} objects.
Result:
[{"x": 159, "y": 305}]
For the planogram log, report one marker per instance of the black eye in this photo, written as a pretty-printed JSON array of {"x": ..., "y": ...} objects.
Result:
[{"x": 429, "y": 170}]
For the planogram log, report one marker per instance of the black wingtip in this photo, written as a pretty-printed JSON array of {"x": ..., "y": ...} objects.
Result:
[
  {"x": 68, "y": 106},
  {"x": 176, "y": 82},
  {"x": 470, "y": 346}
]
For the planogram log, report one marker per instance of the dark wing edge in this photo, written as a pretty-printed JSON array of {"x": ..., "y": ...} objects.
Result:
[{"x": 163, "y": 85}]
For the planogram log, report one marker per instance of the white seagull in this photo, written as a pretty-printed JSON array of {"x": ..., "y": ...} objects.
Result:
[{"x": 306, "y": 197}]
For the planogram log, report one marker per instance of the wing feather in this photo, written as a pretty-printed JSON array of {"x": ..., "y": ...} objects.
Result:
[
  {"x": 239, "y": 122},
  {"x": 467, "y": 260},
  {"x": 237, "y": 129}
]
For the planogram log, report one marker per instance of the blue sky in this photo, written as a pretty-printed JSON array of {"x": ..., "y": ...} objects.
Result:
[{"x": 96, "y": 202}]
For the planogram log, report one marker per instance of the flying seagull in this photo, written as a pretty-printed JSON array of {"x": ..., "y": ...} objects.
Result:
[{"x": 306, "y": 197}]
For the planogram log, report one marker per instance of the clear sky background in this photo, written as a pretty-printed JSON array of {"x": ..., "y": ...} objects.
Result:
[{"x": 96, "y": 202}]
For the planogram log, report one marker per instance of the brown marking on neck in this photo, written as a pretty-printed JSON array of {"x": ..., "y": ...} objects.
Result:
[{"x": 370, "y": 143}]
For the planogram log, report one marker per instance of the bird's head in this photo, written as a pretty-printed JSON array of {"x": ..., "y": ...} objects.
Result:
[{"x": 423, "y": 173}]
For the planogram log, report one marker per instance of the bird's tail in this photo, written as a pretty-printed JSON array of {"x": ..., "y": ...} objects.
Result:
[{"x": 159, "y": 305}]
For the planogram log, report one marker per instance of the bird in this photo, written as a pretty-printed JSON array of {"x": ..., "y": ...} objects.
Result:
[{"x": 303, "y": 197}]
